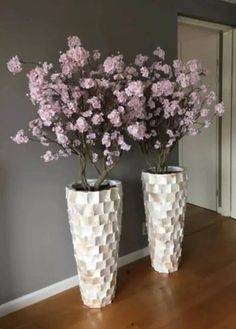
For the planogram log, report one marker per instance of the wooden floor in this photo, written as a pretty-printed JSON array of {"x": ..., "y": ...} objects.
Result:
[{"x": 202, "y": 294}]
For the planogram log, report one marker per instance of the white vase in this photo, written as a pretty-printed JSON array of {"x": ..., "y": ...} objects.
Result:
[
  {"x": 165, "y": 205},
  {"x": 95, "y": 225}
]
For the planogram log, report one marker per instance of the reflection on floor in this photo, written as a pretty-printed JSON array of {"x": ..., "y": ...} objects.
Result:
[{"x": 201, "y": 295}]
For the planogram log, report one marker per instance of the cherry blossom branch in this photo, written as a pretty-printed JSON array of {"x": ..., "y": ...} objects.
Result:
[{"x": 103, "y": 176}]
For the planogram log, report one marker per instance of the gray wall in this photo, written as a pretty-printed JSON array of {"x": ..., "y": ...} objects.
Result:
[{"x": 35, "y": 244}]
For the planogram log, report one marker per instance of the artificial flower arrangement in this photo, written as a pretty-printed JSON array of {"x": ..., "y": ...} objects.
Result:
[
  {"x": 78, "y": 108},
  {"x": 174, "y": 102},
  {"x": 91, "y": 107}
]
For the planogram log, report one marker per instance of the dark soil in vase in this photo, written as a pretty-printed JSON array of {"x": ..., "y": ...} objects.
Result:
[{"x": 79, "y": 187}]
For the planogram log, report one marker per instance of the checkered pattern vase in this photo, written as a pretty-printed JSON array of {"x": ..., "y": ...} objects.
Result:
[
  {"x": 95, "y": 225},
  {"x": 165, "y": 203}
]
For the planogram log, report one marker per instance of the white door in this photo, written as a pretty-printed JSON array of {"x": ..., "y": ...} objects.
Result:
[{"x": 199, "y": 154}]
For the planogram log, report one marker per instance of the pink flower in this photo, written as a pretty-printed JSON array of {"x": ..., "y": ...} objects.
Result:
[
  {"x": 94, "y": 157},
  {"x": 159, "y": 52},
  {"x": 114, "y": 135},
  {"x": 37, "y": 85},
  {"x": 109, "y": 160},
  {"x": 193, "y": 97},
  {"x": 166, "y": 69},
  {"x": 140, "y": 60},
  {"x": 194, "y": 66},
  {"x": 67, "y": 111},
  {"x": 113, "y": 64},
  {"x": 204, "y": 112},
  {"x": 194, "y": 78},
  {"x": 47, "y": 113},
  {"x": 137, "y": 130},
  {"x": 95, "y": 102},
  {"x": 131, "y": 72},
  {"x": 135, "y": 88},
  {"x": 46, "y": 67},
  {"x": 90, "y": 138},
  {"x": 36, "y": 131},
  {"x": 106, "y": 140},
  {"x": 179, "y": 67},
  {"x": 73, "y": 59},
  {"x": 43, "y": 140},
  {"x": 162, "y": 88},
  {"x": 36, "y": 127},
  {"x": 192, "y": 131},
  {"x": 123, "y": 145},
  {"x": 219, "y": 109},
  {"x": 87, "y": 83},
  {"x": 114, "y": 117},
  {"x": 64, "y": 153},
  {"x": 207, "y": 124},
  {"x": 137, "y": 104},
  {"x": 211, "y": 97},
  {"x": 121, "y": 96},
  {"x": 61, "y": 137},
  {"x": 81, "y": 125},
  {"x": 170, "y": 108},
  {"x": 103, "y": 83},
  {"x": 170, "y": 133},
  {"x": 183, "y": 80},
  {"x": 73, "y": 41},
  {"x": 97, "y": 119},
  {"x": 20, "y": 137},
  {"x": 72, "y": 106},
  {"x": 87, "y": 114},
  {"x": 144, "y": 71},
  {"x": 59, "y": 88},
  {"x": 76, "y": 93},
  {"x": 157, "y": 145},
  {"x": 151, "y": 103},
  {"x": 170, "y": 142},
  {"x": 49, "y": 156},
  {"x": 203, "y": 88},
  {"x": 14, "y": 65}
]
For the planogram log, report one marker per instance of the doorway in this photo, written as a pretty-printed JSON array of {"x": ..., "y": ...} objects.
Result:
[{"x": 207, "y": 156}]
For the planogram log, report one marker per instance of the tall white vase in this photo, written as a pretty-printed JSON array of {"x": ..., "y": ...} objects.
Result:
[
  {"x": 95, "y": 224},
  {"x": 165, "y": 205}
]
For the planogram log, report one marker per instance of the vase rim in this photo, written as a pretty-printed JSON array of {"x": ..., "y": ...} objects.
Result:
[
  {"x": 174, "y": 170},
  {"x": 113, "y": 183}
]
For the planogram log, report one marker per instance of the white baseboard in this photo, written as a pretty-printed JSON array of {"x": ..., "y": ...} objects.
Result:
[
  {"x": 38, "y": 295},
  {"x": 133, "y": 256},
  {"x": 56, "y": 288}
]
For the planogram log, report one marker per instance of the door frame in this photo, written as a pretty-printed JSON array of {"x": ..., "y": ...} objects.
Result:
[
  {"x": 224, "y": 129},
  {"x": 233, "y": 134}
]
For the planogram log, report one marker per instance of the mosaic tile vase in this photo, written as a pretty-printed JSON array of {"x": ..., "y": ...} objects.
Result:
[
  {"x": 165, "y": 205},
  {"x": 95, "y": 225}
]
